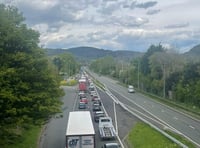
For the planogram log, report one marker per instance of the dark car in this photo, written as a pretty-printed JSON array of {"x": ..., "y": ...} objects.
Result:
[
  {"x": 96, "y": 107},
  {"x": 97, "y": 115},
  {"x": 98, "y": 102},
  {"x": 82, "y": 105},
  {"x": 82, "y": 95}
]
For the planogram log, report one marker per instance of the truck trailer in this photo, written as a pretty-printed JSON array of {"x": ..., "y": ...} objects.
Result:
[
  {"x": 80, "y": 131},
  {"x": 82, "y": 85}
]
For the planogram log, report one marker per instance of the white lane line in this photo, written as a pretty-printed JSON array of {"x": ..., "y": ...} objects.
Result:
[
  {"x": 192, "y": 127},
  {"x": 115, "y": 116},
  {"x": 175, "y": 118}
]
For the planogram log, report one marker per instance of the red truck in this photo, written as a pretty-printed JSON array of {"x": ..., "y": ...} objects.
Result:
[{"x": 82, "y": 85}]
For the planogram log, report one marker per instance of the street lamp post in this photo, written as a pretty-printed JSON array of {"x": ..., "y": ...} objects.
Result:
[
  {"x": 164, "y": 81},
  {"x": 138, "y": 75}
]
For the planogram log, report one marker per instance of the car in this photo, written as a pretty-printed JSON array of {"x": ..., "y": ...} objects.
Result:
[
  {"x": 111, "y": 145},
  {"x": 96, "y": 107},
  {"x": 131, "y": 89},
  {"x": 93, "y": 93},
  {"x": 97, "y": 101},
  {"x": 94, "y": 97},
  {"x": 82, "y": 105},
  {"x": 97, "y": 115},
  {"x": 85, "y": 100},
  {"x": 82, "y": 94}
]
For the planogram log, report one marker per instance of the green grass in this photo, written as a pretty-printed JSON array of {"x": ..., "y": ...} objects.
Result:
[
  {"x": 143, "y": 136},
  {"x": 28, "y": 139},
  {"x": 181, "y": 139}
]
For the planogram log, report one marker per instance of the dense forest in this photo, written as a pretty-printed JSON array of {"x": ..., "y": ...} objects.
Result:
[
  {"x": 28, "y": 80},
  {"x": 159, "y": 71}
]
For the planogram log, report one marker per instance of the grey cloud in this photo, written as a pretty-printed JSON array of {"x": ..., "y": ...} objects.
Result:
[
  {"x": 146, "y": 5},
  {"x": 151, "y": 12},
  {"x": 128, "y": 21},
  {"x": 135, "y": 4},
  {"x": 98, "y": 36},
  {"x": 183, "y": 25},
  {"x": 110, "y": 0},
  {"x": 109, "y": 8}
]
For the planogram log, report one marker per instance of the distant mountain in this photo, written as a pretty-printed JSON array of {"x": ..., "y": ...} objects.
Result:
[
  {"x": 193, "y": 54},
  {"x": 91, "y": 53},
  {"x": 194, "y": 51}
]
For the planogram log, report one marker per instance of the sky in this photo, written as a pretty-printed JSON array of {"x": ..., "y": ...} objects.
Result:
[{"x": 113, "y": 24}]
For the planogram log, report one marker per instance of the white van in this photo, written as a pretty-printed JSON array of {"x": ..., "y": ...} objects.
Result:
[{"x": 131, "y": 89}]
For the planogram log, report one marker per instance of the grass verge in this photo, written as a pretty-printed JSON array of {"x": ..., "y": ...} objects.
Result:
[
  {"x": 28, "y": 139},
  {"x": 143, "y": 136},
  {"x": 181, "y": 139}
]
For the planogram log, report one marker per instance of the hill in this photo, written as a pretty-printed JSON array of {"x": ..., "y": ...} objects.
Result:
[
  {"x": 91, "y": 53},
  {"x": 194, "y": 51},
  {"x": 193, "y": 54}
]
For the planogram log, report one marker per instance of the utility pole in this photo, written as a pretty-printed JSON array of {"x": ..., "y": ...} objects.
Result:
[
  {"x": 164, "y": 81},
  {"x": 138, "y": 74}
]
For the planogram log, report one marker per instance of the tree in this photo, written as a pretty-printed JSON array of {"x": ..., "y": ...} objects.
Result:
[
  {"x": 105, "y": 65},
  {"x": 145, "y": 69},
  {"x": 29, "y": 90},
  {"x": 66, "y": 63}
]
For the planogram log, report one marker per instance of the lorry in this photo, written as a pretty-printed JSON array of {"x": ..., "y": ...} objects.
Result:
[
  {"x": 80, "y": 131},
  {"x": 106, "y": 128},
  {"x": 82, "y": 85}
]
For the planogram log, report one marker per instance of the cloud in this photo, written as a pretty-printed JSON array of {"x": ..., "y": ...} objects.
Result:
[
  {"x": 112, "y": 24},
  {"x": 127, "y": 21},
  {"x": 151, "y": 12},
  {"x": 108, "y": 8},
  {"x": 146, "y": 5},
  {"x": 175, "y": 26}
]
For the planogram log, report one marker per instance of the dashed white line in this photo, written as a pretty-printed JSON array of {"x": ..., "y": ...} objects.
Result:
[
  {"x": 175, "y": 118},
  {"x": 192, "y": 127}
]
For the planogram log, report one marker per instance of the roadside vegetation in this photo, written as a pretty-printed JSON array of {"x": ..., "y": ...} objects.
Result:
[
  {"x": 30, "y": 92},
  {"x": 164, "y": 75},
  {"x": 181, "y": 139},
  {"x": 29, "y": 138},
  {"x": 143, "y": 136},
  {"x": 160, "y": 72},
  {"x": 69, "y": 82}
]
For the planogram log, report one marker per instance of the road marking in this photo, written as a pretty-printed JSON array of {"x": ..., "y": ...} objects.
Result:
[
  {"x": 192, "y": 127},
  {"x": 115, "y": 116},
  {"x": 175, "y": 118}
]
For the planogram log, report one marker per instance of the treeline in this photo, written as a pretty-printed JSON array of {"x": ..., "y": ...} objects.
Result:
[
  {"x": 159, "y": 71},
  {"x": 29, "y": 87},
  {"x": 65, "y": 64}
]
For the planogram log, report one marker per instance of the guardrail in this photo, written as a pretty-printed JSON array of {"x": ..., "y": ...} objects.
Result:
[{"x": 145, "y": 121}]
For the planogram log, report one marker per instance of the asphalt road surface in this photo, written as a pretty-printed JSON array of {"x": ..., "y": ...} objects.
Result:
[
  {"x": 173, "y": 119},
  {"x": 54, "y": 132}
]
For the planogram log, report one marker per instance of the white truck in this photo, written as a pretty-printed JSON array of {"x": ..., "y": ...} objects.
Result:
[
  {"x": 80, "y": 131},
  {"x": 106, "y": 128}
]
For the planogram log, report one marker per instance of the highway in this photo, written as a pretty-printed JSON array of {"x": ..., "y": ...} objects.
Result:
[
  {"x": 171, "y": 118},
  {"x": 53, "y": 135}
]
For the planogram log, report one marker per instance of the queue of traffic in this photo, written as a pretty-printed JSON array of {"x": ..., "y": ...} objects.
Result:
[{"x": 80, "y": 133}]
